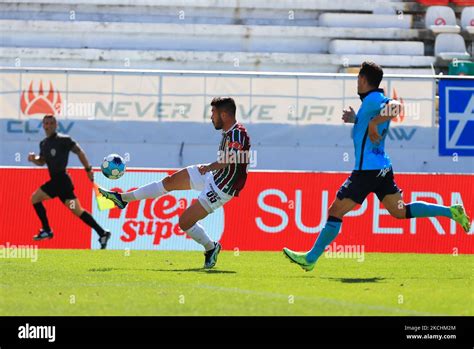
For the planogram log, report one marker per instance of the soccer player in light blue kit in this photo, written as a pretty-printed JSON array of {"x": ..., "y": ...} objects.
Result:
[{"x": 373, "y": 170}]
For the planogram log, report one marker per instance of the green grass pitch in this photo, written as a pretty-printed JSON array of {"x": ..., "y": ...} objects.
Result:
[{"x": 84, "y": 282}]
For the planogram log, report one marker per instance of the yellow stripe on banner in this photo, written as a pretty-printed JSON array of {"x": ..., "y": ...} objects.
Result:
[{"x": 102, "y": 202}]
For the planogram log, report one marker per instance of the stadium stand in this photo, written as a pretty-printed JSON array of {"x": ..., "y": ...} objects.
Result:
[
  {"x": 354, "y": 20},
  {"x": 402, "y": 48},
  {"x": 301, "y": 36}
]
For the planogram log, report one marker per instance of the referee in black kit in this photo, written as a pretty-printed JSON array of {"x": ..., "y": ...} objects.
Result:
[{"x": 54, "y": 152}]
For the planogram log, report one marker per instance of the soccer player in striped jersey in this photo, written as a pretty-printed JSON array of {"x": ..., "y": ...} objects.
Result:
[
  {"x": 373, "y": 169},
  {"x": 231, "y": 179},
  {"x": 218, "y": 182}
]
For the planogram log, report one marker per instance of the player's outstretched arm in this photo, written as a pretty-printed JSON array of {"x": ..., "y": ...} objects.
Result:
[
  {"x": 36, "y": 159},
  {"x": 84, "y": 161}
]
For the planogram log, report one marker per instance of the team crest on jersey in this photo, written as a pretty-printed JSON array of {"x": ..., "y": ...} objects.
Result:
[
  {"x": 53, "y": 152},
  {"x": 235, "y": 145}
]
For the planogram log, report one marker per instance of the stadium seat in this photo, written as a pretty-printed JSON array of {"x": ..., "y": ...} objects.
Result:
[
  {"x": 467, "y": 19},
  {"x": 355, "y": 20},
  {"x": 451, "y": 46},
  {"x": 461, "y": 68},
  {"x": 441, "y": 19}
]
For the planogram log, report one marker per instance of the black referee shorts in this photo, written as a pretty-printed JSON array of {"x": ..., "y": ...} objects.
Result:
[
  {"x": 362, "y": 183},
  {"x": 61, "y": 186}
]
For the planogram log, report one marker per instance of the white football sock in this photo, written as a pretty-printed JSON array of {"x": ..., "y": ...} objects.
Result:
[
  {"x": 199, "y": 235},
  {"x": 151, "y": 190}
]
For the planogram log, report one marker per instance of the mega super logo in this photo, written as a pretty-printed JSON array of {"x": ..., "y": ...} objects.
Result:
[
  {"x": 151, "y": 224},
  {"x": 456, "y": 117}
]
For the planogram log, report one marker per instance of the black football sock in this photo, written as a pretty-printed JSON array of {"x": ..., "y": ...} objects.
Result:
[
  {"x": 41, "y": 212},
  {"x": 90, "y": 221}
]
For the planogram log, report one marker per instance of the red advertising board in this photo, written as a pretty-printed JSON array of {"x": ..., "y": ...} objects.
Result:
[
  {"x": 19, "y": 222},
  {"x": 275, "y": 209},
  {"x": 288, "y": 209}
]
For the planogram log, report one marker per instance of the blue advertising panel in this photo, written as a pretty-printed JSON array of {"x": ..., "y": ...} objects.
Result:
[{"x": 456, "y": 117}]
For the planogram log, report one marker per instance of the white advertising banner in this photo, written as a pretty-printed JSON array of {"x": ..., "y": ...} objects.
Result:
[
  {"x": 152, "y": 223},
  {"x": 110, "y": 95}
]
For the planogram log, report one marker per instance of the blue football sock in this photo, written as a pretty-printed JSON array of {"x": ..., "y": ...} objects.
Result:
[
  {"x": 327, "y": 235},
  {"x": 424, "y": 209}
]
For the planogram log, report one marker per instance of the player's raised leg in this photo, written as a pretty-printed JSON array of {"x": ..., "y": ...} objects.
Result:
[
  {"x": 178, "y": 181},
  {"x": 37, "y": 200},
  {"x": 189, "y": 222},
  {"x": 75, "y": 206},
  {"x": 398, "y": 209},
  {"x": 307, "y": 260}
]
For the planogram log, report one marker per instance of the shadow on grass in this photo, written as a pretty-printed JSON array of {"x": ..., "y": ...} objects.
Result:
[
  {"x": 198, "y": 270},
  {"x": 195, "y": 270},
  {"x": 356, "y": 280},
  {"x": 103, "y": 269}
]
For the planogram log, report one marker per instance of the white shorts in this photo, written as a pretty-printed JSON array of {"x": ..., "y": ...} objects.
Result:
[{"x": 211, "y": 197}]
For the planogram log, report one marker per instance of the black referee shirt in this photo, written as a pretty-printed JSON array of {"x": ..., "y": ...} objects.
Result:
[{"x": 55, "y": 150}]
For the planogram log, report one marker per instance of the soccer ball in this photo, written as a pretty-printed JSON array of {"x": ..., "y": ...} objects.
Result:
[{"x": 113, "y": 166}]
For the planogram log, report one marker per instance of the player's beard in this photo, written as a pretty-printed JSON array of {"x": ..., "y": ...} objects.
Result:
[{"x": 218, "y": 123}]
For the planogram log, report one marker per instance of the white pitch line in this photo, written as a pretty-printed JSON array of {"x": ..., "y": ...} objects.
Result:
[{"x": 319, "y": 300}]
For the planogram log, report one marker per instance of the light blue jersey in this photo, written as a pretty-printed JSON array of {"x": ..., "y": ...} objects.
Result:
[{"x": 370, "y": 156}]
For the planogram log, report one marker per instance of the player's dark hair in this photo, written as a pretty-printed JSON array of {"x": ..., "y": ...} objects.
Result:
[
  {"x": 226, "y": 104},
  {"x": 49, "y": 116},
  {"x": 372, "y": 72}
]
